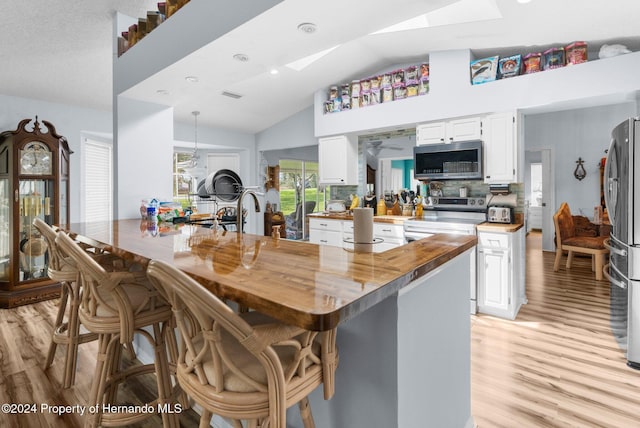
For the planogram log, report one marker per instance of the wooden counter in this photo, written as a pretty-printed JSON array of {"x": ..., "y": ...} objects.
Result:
[{"x": 314, "y": 287}]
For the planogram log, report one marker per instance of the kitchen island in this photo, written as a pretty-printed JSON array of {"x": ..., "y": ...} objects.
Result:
[{"x": 402, "y": 315}]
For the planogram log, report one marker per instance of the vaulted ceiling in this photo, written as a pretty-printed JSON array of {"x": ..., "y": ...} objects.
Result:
[{"x": 62, "y": 52}]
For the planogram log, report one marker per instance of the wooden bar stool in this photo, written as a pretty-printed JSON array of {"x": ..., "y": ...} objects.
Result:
[
  {"x": 67, "y": 333},
  {"x": 244, "y": 366},
  {"x": 115, "y": 306}
]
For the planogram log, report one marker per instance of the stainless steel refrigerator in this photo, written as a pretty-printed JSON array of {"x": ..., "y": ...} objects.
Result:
[{"x": 622, "y": 198}]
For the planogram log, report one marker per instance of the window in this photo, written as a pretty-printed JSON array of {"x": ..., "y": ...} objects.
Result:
[
  {"x": 299, "y": 195},
  {"x": 98, "y": 180},
  {"x": 183, "y": 184}
]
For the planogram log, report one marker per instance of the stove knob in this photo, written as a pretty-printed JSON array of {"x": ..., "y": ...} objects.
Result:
[
  {"x": 472, "y": 201},
  {"x": 480, "y": 201}
]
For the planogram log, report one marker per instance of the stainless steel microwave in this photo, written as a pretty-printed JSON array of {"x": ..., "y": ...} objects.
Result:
[{"x": 452, "y": 161}]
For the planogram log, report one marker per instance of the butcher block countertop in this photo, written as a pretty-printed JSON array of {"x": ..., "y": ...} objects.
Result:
[
  {"x": 311, "y": 286},
  {"x": 499, "y": 227},
  {"x": 347, "y": 215}
]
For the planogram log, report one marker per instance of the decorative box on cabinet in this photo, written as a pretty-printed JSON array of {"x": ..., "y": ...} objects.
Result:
[
  {"x": 34, "y": 182},
  {"x": 338, "y": 160},
  {"x": 465, "y": 129}
]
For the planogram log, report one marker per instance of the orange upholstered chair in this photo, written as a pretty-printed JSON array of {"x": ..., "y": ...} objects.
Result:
[{"x": 569, "y": 238}]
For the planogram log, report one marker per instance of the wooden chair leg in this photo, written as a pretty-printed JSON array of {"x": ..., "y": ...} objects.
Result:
[
  {"x": 62, "y": 307},
  {"x": 305, "y": 413},
  {"x": 205, "y": 419},
  {"x": 163, "y": 377},
  {"x": 74, "y": 340},
  {"x": 569, "y": 259},
  {"x": 99, "y": 379},
  {"x": 556, "y": 264},
  {"x": 599, "y": 264}
]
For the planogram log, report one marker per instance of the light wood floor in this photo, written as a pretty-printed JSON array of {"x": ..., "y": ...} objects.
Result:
[{"x": 556, "y": 365}]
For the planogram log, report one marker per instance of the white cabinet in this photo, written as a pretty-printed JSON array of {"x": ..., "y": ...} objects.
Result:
[
  {"x": 325, "y": 232},
  {"x": 334, "y": 232},
  {"x": 500, "y": 165},
  {"x": 465, "y": 129},
  {"x": 338, "y": 160},
  {"x": 500, "y": 273}
]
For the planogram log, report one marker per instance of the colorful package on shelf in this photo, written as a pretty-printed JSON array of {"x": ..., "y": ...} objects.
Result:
[
  {"x": 484, "y": 70},
  {"x": 509, "y": 66},
  {"x": 345, "y": 90},
  {"x": 412, "y": 90},
  {"x": 365, "y": 99},
  {"x": 376, "y": 82},
  {"x": 355, "y": 102},
  {"x": 423, "y": 84},
  {"x": 397, "y": 78},
  {"x": 386, "y": 80},
  {"x": 345, "y": 102},
  {"x": 532, "y": 63},
  {"x": 411, "y": 75},
  {"x": 576, "y": 53},
  {"x": 355, "y": 88},
  {"x": 399, "y": 91},
  {"x": 387, "y": 94},
  {"x": 375, "y": 97},
  {"x": 553, "y": 58},
  {"x": 333, "y": 92}
]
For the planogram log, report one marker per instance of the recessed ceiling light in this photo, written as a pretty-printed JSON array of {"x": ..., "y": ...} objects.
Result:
[
  {"x": 308, "y": 27},
  {"x": 273, "y": 71},
  {"x": 241, "y": 57},
  {"x": 192, "y": 79}
]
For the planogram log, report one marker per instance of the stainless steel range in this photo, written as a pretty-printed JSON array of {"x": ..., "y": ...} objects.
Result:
[{"x": 450, "y": 215}]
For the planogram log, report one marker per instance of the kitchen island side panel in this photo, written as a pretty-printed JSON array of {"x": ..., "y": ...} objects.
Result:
[{"x": 406, "y": 361}]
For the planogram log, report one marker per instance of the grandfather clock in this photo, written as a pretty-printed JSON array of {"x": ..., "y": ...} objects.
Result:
[{"x": 34, "y": 182}]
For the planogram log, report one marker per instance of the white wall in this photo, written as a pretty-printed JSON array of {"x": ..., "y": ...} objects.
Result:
[
  {"x": 295, "y": 131},
  {"x": 144, "y": 153},
  {"x": 70, "y": 122},
  {"x": 572, "y": 134}
]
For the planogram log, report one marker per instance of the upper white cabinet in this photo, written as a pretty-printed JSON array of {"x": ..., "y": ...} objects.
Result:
[
  {"x": 450, "y": 131},
  {"x": 338, "y": 160},
  {"x": 500, "y": 163}
]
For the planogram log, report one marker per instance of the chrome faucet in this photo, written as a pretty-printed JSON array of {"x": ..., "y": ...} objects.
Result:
[{"x": 239, "y": 217}]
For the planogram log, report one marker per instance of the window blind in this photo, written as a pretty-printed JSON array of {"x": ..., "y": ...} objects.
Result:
[{"x": 98, "y": 180}]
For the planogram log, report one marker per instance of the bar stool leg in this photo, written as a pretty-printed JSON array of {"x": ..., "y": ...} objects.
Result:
[
  {"x": 62, "y": 306},
  {"x": 205, "y": 419},
  {"x": 97, "y": 388},
  {"x": 305, "y": 413}
]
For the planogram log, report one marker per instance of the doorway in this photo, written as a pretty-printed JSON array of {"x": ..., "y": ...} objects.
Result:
[{"x": 540, "y": 194}]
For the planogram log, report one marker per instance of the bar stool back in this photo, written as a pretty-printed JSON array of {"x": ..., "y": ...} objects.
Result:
[
  {"x": 115, "y": 305},
  {"x": 243, "y": 366}
]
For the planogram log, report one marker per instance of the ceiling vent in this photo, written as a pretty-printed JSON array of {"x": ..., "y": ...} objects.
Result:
[{"x": 231, "y": 95}]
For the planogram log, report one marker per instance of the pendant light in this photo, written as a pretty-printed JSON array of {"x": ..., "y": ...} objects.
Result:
[{"x": 192, "y": 167}]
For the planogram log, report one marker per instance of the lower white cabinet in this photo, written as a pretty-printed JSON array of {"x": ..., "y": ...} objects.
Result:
[
  {"x": 325, "y": 232},
  {"x": 334, "y": 232},
  {"x": 501, "y": 273}
]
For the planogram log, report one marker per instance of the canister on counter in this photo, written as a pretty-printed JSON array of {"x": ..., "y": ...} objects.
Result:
[
  {"x": 532, "y": 63},
  {"x": 576, "y": 53},
  {"x": 553, "y": 58}
]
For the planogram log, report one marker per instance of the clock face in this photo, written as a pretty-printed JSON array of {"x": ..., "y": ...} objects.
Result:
[{"x": 35, "y": 159}]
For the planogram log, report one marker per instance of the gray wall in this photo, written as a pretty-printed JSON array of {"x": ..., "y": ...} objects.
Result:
[{"x": 572, "y": 134}]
